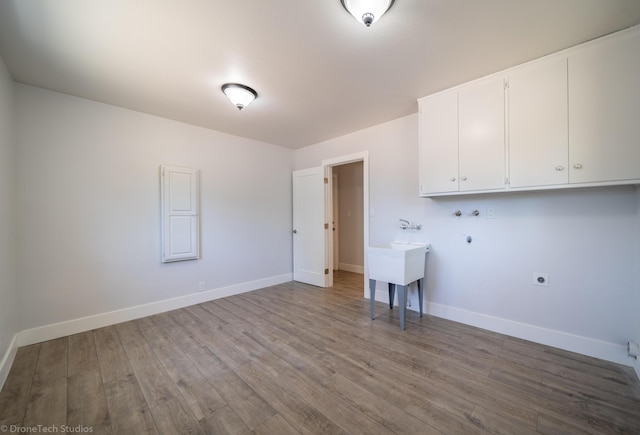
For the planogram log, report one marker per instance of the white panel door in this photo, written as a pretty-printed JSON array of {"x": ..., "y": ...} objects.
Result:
[
  {"x": 309, "y": 231},
  {"x": 482, "y": 136},
  {"x": 180, "y": 220},
  {"x": 439, "y": 143},
  {"x": 604, "y": 108},
  {"x": 538, "y": 124}
]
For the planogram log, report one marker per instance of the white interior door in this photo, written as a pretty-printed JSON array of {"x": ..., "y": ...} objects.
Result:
[{"x": 309, "y": 232}]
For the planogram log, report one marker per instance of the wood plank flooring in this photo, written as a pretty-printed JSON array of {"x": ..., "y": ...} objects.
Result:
[{"x": 296, "y": 359}]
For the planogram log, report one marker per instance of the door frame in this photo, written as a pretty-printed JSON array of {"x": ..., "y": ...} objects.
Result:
[
  {"x": 328, "y": 165},
  {"x": 335, "y": 212}
]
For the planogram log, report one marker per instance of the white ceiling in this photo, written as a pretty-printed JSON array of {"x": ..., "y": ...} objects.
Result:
[{"x": 319, "y": 74}]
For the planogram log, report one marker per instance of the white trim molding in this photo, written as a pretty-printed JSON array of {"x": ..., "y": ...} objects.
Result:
[
  {"x": 604, "y": 350},
  {"x": 75, "y": 326},
  {"x": 7, "y": 360},
  {"x": 351, "y": 267},
  {"x": 613, "y": 352},
  {"x": 362, "y": 156}
]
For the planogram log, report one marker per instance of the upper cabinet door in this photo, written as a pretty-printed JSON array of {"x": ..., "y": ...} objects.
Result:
[
  {"x": 482, "y": 135},
  {"x": 180, "y": 217},
  {"x": 439, "y": 143},
  {"x": 538, "y": 124},
  {"x": 604, "y": 108}
]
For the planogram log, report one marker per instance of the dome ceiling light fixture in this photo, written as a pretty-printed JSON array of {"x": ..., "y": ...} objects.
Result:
[
  {"x": 239, "y": 95},
  {"x": 367, "y": 12}
]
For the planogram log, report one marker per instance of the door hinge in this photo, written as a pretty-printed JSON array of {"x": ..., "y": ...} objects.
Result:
[
  {"x": 506, "y": 180},
  {"x": 326, "y": 271},
  {"x": 326, "y": 226},
  {"x": 326, "y": 180},
  {"x": 506, "y": 83}
]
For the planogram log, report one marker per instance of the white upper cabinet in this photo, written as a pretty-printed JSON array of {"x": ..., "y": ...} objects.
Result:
[
  {"x": 439, "y": 136},
  {"x": 481, "y": 135},
  {"x": 570, "y": 119},
  {"x": 604, "y": 110},
  {"x": 538, "y": 129},
  {"x": 462, "y": 139}
]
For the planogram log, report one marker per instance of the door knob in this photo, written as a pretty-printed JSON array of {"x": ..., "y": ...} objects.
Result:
[{"x": 295, "y": 231}]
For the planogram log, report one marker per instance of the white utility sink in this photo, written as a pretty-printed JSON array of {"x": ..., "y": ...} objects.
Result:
[{"x": 397, "y": 262}]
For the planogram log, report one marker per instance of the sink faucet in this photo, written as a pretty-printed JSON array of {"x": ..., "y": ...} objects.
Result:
[{"x": 406, "y": 225}]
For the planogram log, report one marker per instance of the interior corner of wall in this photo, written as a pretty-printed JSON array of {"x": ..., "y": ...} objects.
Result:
[{"x": 7, "y": 360}]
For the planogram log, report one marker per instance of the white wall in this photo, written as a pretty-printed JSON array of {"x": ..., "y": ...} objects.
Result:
[
  {"x": 86, "y": 177},
  {"x": 8, "y": 291},
  {"x": 585, "y": 239},
  {"x": 88, "y": 212}
]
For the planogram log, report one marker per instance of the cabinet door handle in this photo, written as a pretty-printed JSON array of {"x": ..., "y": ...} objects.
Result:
[
  {"x": 577, "y": 166},
  {"x": 464, "y": 178},
  {"x": 452, "y": 179},
  {"x": 559, "y": 168}
]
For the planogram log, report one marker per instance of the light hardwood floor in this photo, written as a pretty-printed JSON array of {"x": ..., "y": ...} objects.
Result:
[{"x": 295, "y": 359}]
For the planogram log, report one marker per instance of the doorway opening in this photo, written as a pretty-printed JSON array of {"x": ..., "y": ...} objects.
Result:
[
  {"x": 347, "y": 211},
  {"x": 347, "y": 220}
]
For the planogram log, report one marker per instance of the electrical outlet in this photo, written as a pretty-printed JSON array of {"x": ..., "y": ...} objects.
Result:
[
  {"x": 540, "y": 279},
  {"x": 201, "y": 286}
]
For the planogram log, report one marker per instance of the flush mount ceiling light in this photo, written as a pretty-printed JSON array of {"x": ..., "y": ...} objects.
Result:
[
  {"x": 240, "y": 95},
  {"x": 367, "y": 12}
]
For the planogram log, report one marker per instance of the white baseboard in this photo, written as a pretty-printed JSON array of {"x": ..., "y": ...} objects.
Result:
[
  {"x": 574, "y": 343},
  {"x": 7, "y": 360},
  {"x": 586, "y": 346},
  {"x": 75, "y": 326},
  {"x": 351, "y": 268},
  {"x": 608, "y": 351}
]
